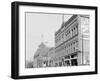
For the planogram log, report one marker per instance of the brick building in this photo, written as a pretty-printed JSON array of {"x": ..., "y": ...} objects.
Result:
[{"x": 72, "y": 42}]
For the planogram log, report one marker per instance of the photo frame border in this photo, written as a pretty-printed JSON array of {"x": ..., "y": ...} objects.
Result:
[{"x": 15, "y": 39}]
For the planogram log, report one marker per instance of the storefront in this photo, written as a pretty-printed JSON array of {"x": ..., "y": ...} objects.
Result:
[{"x": 70, "y": 60}]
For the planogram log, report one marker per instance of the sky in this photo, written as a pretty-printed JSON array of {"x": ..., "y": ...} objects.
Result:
[{"x": 41, "y": 27}]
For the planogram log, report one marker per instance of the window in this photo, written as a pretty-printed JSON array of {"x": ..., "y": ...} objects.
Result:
[
  {"x": 67, "y": 63},
  {"x": 56, "y": 40},
  {"x": 66, "y": 33},
  {"x": 74, "y": 49},
  {"x": 72, "y": 32},
  {"x": 62, "y": 36},
  {"x": 69, "y": 34},
  {"x": 76, "y": 45},
  {"x": 60, "y": 63},
  {"x": 69, "y": 48},
  {"x": 73, "y": 56},
  {"x": 67, "y": 57},
  {"x": 56, "y": 64},
  {"x": 76, "y": 28},
  {"x": 73, "y": 46}
]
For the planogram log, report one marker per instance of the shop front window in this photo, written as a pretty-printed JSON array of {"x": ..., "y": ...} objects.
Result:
[{"x": 67, "y": 63}]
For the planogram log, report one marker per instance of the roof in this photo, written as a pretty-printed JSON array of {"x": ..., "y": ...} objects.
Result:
[
  {"x": 42, "y": 50},
  {"x": 66, "y": 23}
]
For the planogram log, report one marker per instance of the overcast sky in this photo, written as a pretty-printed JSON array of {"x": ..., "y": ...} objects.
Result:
[{"x": 41, "y": 28}]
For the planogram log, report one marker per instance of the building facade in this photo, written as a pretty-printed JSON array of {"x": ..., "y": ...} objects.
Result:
[
  {"x": 43, "y": 56},
  {"x": 72, "y": 42},
  {"x": 40, "y": 56}
]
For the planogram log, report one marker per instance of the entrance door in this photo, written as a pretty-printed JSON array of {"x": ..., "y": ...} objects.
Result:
[{"x": 74, "y": 62}]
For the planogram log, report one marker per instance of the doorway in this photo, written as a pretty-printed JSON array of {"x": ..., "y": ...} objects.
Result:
[{"x": 74, "y": 62}]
